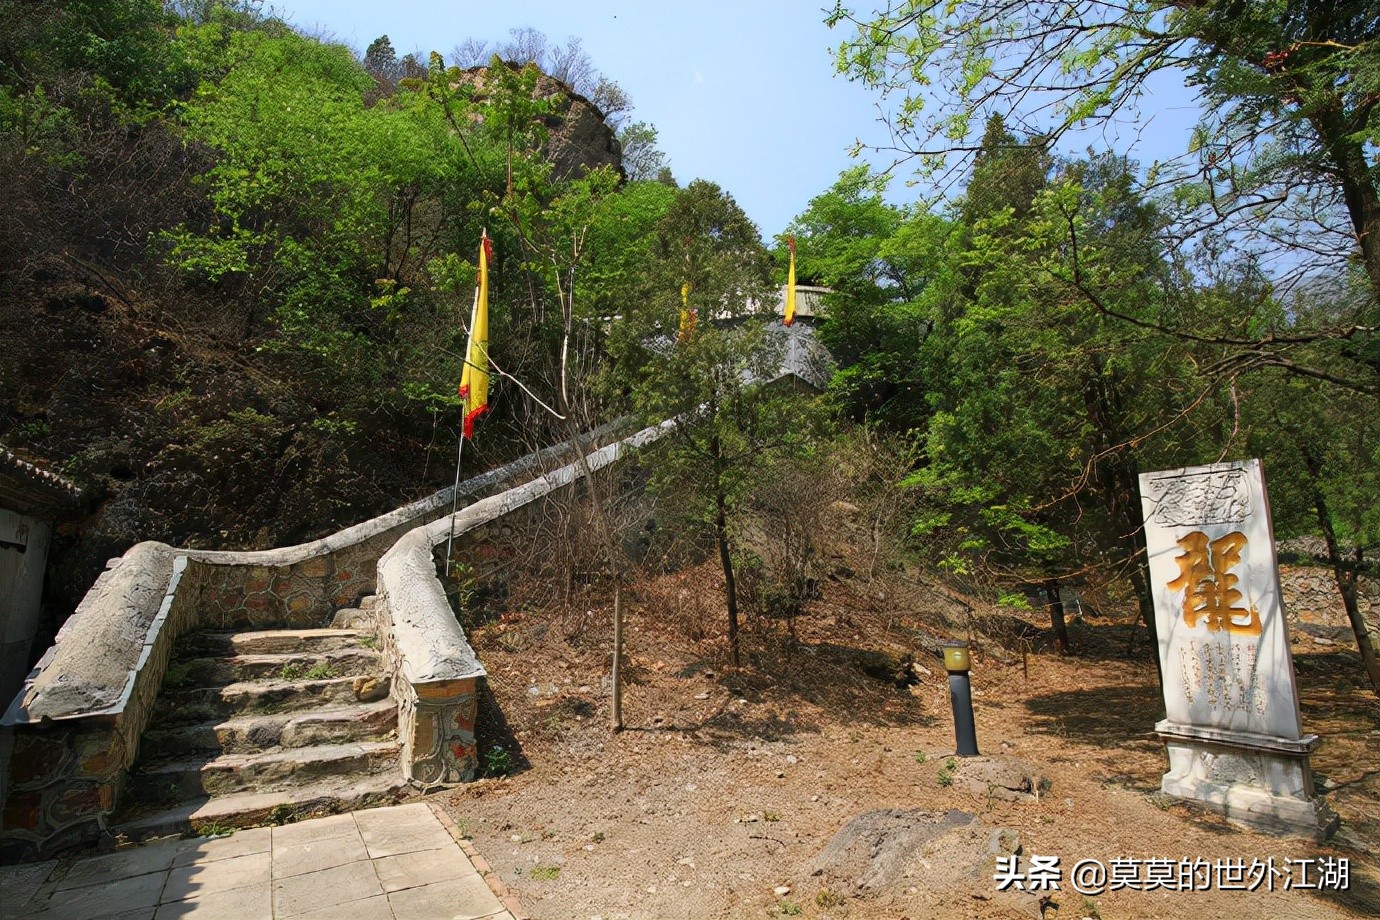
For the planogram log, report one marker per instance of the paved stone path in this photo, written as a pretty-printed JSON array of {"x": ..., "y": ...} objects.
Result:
[{"x": 396, "y": 863}]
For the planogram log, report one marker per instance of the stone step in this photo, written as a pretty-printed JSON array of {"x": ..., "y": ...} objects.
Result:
[
  {"x": 276, "y": 641},
  {"x": 354, "y": 618},
  {"x": 250, "y": 733},
  {"x": 273, "y": 771},
  {"x": 296, "y": 665},
  {"x": 251, "y": 809},
  {"x": 185, "y": 707}
]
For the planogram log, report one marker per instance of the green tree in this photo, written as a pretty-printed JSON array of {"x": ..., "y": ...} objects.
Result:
[
  {"x": 880, "y": 260},
  {"x": 642, "y": 159},
  {"x": 1045, "y": 410},
  {"x": 1286, "y": 149},
  {"x": 1322, "y": 452},
  {"x": 382, "y": 61},
  {"x": 119, "y": 45},
  {"x": 729, "y": 423},
  {"x": 705, "y": 241},
  {"x": 711, "y": 380}
]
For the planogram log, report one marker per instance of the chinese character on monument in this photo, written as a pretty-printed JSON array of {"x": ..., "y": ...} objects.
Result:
[{"x": 1209, "y": 586}]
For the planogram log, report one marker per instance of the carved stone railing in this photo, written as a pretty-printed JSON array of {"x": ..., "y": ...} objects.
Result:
[
  {"x": 435, "y": 674},
  {"x": 78, "y": 720}
]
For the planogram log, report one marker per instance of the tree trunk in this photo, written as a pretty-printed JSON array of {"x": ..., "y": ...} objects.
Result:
[
  {"x": 726, "y": 561},
  {"x": 1118, "y": 479},
  {"x": 1126, "y": 512},
  {"x": 1056, "y": 615},
  {"x": 1358, "y": 193},
  {"x": 1344, "y": 572}
]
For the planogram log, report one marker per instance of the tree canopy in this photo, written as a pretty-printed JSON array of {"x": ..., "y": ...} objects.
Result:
[{"x": 1283, "y": 163}]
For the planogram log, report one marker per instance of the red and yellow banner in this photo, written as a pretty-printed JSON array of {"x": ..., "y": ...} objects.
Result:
[
  {"x": 474, "y": 380},
  {"x": 790, "y": 284}
]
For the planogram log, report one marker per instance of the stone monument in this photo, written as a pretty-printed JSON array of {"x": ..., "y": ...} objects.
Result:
[{"x": 1233, "y": 730}]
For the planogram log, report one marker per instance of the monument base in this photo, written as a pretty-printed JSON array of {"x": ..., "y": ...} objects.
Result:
[{"x": 1259, "y": 781}]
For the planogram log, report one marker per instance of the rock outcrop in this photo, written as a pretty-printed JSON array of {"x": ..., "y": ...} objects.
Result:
[{"x": 579, "y": 139}]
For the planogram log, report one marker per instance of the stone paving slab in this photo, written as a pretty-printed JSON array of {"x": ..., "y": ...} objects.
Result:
[
  {"x": 20, "y": 883},
  {"x": 202, "y": 878},
  {"x": 396, "y": 863},
  {"x": 390, "y": 832},
  {"x": 316, "y": 856},
  {"x": 208, "y": 850},
  {"x": 252, "y": 903}
]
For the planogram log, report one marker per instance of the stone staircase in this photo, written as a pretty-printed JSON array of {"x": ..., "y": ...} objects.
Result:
[{"x": 266, "y": 727}]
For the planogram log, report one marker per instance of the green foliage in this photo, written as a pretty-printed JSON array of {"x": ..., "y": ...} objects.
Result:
[
  {"x": 1013, "y": 600},
  {"x": 712, "y": 379},
  {"x": 320, "y": 671},
  {"x": 642, "y": 160},
  {"x": 703, "y": 239},
  {"x": 1282, "y": 157},
  {"x": 214, "y": 829},
  {"x": 120, "y": 45},
  {"x": 883, "y": 263},
  {"x": 465, "y": 588},
  {"x": 827, "y": 899},
  {"x": 497, "y": 761},
  {"x": 619, "y": 240}
]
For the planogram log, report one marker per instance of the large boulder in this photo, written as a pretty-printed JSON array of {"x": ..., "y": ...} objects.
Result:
[
  {"x": 921, "y": 864},
  {"x": 578, "y": 139}
]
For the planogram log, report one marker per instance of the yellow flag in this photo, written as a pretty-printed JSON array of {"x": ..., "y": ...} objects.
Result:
[
  {"x": 790, "y": 285},
  {"x": 687, "y": 315},
  {"x": 474, "y": 380}
]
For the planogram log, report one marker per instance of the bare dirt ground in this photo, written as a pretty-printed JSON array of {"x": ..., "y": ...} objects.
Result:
[{"x": 727, "y": 784}]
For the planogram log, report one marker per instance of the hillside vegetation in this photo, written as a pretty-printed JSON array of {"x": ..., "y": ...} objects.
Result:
[{"x": 238, "y": 265}]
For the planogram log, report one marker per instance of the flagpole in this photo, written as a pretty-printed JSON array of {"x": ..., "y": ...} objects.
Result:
[{"x": 455, "y": 490}]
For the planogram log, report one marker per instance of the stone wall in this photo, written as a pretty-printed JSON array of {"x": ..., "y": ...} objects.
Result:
[
  {"x": 302, "y": 585},
  {"x": 75, "y": 738},
  {"x": 24, "y": 541},
  {"x": 1314, "y": 605}
]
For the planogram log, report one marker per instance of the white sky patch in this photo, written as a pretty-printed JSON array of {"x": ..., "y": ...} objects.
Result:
[{"x": 699, "y": 77}]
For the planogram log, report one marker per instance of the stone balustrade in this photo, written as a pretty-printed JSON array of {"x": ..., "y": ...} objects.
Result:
[{"x": 72, "y": 732}]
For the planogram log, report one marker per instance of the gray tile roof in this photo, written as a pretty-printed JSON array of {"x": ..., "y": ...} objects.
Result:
[{"x": 28, "y": 489}]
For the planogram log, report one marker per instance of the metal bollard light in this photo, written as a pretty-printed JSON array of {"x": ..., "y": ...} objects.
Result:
[{"x": 961, "y": 696}]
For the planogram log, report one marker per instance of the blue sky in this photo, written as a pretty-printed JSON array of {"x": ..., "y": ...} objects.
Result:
[{"x": 742, "y": 93}]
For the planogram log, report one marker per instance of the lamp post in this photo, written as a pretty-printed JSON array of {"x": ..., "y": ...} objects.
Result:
[{"x": 956, "y": 662}]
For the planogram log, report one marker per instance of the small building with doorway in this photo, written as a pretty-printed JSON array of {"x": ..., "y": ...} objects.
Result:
[{"x": 32, "y": 502}]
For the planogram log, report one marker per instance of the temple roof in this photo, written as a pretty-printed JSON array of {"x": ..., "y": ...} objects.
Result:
[{"x": 27, "y": 489}]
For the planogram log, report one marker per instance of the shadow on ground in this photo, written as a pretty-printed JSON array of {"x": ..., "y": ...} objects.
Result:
[
  {"x": 1107, "y": 717},
  {"x": 793, "y": 688}
]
